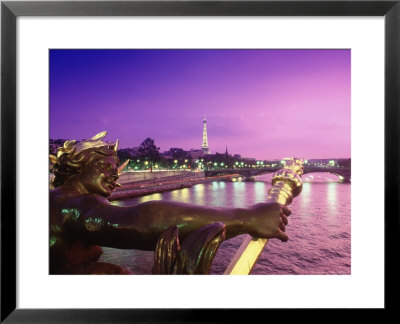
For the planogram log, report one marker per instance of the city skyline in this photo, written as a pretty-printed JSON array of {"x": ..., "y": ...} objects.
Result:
[
  {"x": 265, "y": 104},
  {"x": 162, "y": 152}
]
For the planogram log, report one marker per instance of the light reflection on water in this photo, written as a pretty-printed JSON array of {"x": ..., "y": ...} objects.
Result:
[
  {"x": 332, "y": 195},
  {"x": 239, "y": 195},
  {"x": 305, "y": 195},
  {"x": 198, "y": 192},
  {"x": 155, "y": 196},
  {"x": 260, "y": 191},
  {"x": 319, "y": 227}
]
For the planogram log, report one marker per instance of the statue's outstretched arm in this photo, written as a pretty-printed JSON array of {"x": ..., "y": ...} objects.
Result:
[{"x": 140, "y": 226}]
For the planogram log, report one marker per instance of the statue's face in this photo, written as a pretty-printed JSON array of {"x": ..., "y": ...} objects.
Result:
[{"x": 100, "y": 175}]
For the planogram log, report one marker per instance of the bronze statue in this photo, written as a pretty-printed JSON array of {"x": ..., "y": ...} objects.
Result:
[{"x": 82, "y": 219}]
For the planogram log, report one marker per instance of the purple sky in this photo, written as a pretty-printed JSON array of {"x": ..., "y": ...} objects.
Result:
[{"x": 267, "y": 104}]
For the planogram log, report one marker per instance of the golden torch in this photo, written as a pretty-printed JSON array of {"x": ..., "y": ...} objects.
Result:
[{"x": 286, "y": 184}]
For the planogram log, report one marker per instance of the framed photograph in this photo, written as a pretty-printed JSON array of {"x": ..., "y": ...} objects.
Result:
[{"x": 317, "y": 80}]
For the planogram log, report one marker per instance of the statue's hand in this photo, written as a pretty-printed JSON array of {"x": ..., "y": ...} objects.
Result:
[{"x": 268, "y": 220}]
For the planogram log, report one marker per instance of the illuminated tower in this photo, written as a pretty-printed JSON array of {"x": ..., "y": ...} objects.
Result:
[{"x": 204, "y": 146}]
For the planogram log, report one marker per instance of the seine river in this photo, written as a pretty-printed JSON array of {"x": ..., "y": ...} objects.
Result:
[{"x": 319, "y": 228}]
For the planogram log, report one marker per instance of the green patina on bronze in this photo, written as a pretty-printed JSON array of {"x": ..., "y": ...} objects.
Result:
[
  {"x": 53, "y": 240},
  {"x": 70, "y": 214}
]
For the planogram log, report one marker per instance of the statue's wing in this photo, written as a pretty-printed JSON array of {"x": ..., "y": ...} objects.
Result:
[
  {"x": 199, "y": 249},
  {"x": 166, "y": 251}
]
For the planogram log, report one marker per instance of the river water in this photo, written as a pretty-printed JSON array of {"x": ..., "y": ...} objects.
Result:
[{"x": 319, "y": 228}]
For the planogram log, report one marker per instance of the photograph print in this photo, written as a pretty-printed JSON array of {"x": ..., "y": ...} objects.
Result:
[{"x": 200, "y": 161}]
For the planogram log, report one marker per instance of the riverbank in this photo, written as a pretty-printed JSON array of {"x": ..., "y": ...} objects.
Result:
[{"x": 143, "y": 188}]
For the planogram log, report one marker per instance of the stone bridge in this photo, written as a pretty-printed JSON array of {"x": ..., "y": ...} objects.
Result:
[{"x": 249, "y": 173}]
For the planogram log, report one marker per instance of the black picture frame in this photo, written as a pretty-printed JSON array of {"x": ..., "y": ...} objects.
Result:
[{"x": 10, "y": 10}]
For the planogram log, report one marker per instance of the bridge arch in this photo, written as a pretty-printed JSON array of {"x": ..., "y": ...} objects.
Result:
[{"x": 344, "y": 174}]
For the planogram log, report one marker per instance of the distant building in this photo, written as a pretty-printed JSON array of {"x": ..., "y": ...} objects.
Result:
[
  {"x": 129, "y": 152},
  {"x": 249, "y": 159},
  {"x": 53, "y": 148},
  {"x": 204, "y": 146},
  {"x": 54, "y": 144},
  {"x": 196, "y": 154},
  {"x": 167, "y": 155},
  {"x": 176, "y": 151}
]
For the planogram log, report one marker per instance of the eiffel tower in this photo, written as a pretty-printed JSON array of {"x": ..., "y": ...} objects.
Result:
[{"x": 204, "y": 146}]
